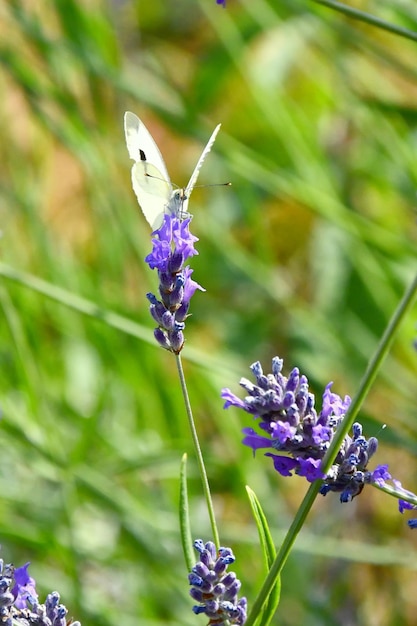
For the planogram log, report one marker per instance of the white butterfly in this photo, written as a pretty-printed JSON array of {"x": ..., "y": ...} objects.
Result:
[{"x": 150, "y": 179}]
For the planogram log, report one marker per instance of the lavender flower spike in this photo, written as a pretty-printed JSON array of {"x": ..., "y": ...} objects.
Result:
[
  {"x": 19, "y": 601},
  {"x": 292, "y": 427},
  {"x": 173, "y": 244},
  {"x": 215, "y": 589},
  {"x": 288, "y": 419}
]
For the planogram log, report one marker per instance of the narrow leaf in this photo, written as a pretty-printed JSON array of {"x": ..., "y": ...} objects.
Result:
[
  {"x": 269, "y": 552},
  {"x": 185, "y": 527}
]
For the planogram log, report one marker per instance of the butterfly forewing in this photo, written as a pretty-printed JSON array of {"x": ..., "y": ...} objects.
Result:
[
  {"x": 141, "y": 146},
  {"x": 150, "y": 179},
  {"x": 194, "y": 175}
]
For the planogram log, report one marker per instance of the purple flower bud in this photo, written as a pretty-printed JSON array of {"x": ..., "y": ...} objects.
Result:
[
  {"x": 175, "y": 262},
  {"x": 201, "y": 570},
  {"x": 195, "y": 593},
  {"x": 293, "y": 379},
  {"x": 162, "y": 338},
  {"x": 177, "y": 341}
]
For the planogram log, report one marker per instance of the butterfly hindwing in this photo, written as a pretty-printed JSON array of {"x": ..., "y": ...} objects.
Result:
[{"x": 152, "y": 191}]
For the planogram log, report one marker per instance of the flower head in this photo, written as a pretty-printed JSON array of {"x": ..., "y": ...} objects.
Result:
[
  {"x": 19, "y": 600},
  {"x": 299, "y": 435},
  {"x": 173, "y": 244},
  {"x": 214, "y": 588}
]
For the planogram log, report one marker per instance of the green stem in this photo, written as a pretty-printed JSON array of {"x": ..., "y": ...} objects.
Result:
[
  {"x": 304, "y": 509},
  {"x": 397, "y": 493},
  {"x": 81, "y": 305},
  {"x": 200, "y": 460},
  {"x": 368, "y": 18},
  {"x": 373, "y": 368}
]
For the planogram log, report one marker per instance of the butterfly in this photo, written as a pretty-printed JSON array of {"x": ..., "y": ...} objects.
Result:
[{"x": 150, "y": 178}]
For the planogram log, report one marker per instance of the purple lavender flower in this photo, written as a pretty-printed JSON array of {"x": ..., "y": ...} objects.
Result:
[
  {"x": 24, "y": 588},
  {"x": 214, "y": 589},
  {"x": 300, "y": 436},
  {"x": 19, "y": 600},
  {"x": 173, "y": 244},
  {"x": 222, "y": 2}
]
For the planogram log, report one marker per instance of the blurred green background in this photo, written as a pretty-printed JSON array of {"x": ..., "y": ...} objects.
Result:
[{"x": 305, "y": 256}]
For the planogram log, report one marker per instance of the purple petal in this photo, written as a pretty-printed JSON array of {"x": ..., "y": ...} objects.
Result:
[
  {"x": 190, "y": 285},
  {"x": 310, "y": 468},
  {"x": 321, "y": 433},
  {"x": 380, "y": 475},
  {"x": 403, "y": 505},
  {"x": 282, "y": 431},
  {"x": 283, "y": 464},
  {"x": 254, "y": 440},
  {"x": 158, "y": 258},
  {"x": 183, "y": 239},
  {"x": 24, "y": 586},
  {"x": 231, "y": 399},
  {"x": 333, "y": 404}
]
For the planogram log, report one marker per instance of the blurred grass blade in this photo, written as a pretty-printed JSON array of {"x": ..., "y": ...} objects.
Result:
[
  {"x": 373, "y": 20},
  {"x": 76, "y": 303},
  {"x": 113, "y": 320},
  {"x": 269, "y": 552},
  {"x": 185, "y": 526}
]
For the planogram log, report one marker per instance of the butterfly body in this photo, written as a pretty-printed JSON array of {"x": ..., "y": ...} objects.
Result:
[{"x": 150, "y": 179}]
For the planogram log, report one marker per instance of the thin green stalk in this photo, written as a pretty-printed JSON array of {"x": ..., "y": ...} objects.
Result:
[
  {"x": 397, "y": 493},
  {"x": 304, "y": 509},
  {"x": 368, "y": 378},
  {"x": 356, "y": 14},
  {"x": 200, "y": 460},
  {"x": 125, "y": 325}
]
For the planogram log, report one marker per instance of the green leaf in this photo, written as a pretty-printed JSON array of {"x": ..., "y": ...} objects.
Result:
[
  {"x": 269, "y": 552},
  {"x": 185, "y": 527}
]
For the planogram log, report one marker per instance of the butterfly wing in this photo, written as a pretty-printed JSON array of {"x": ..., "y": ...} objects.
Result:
[
  {"x": 178, "y": 203},
  {"x": 141, "y": 145},
  {"x": 150, "y": 179},
  {"x": 152, "y": 191},
  {"x": 194, "y": 175}
]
